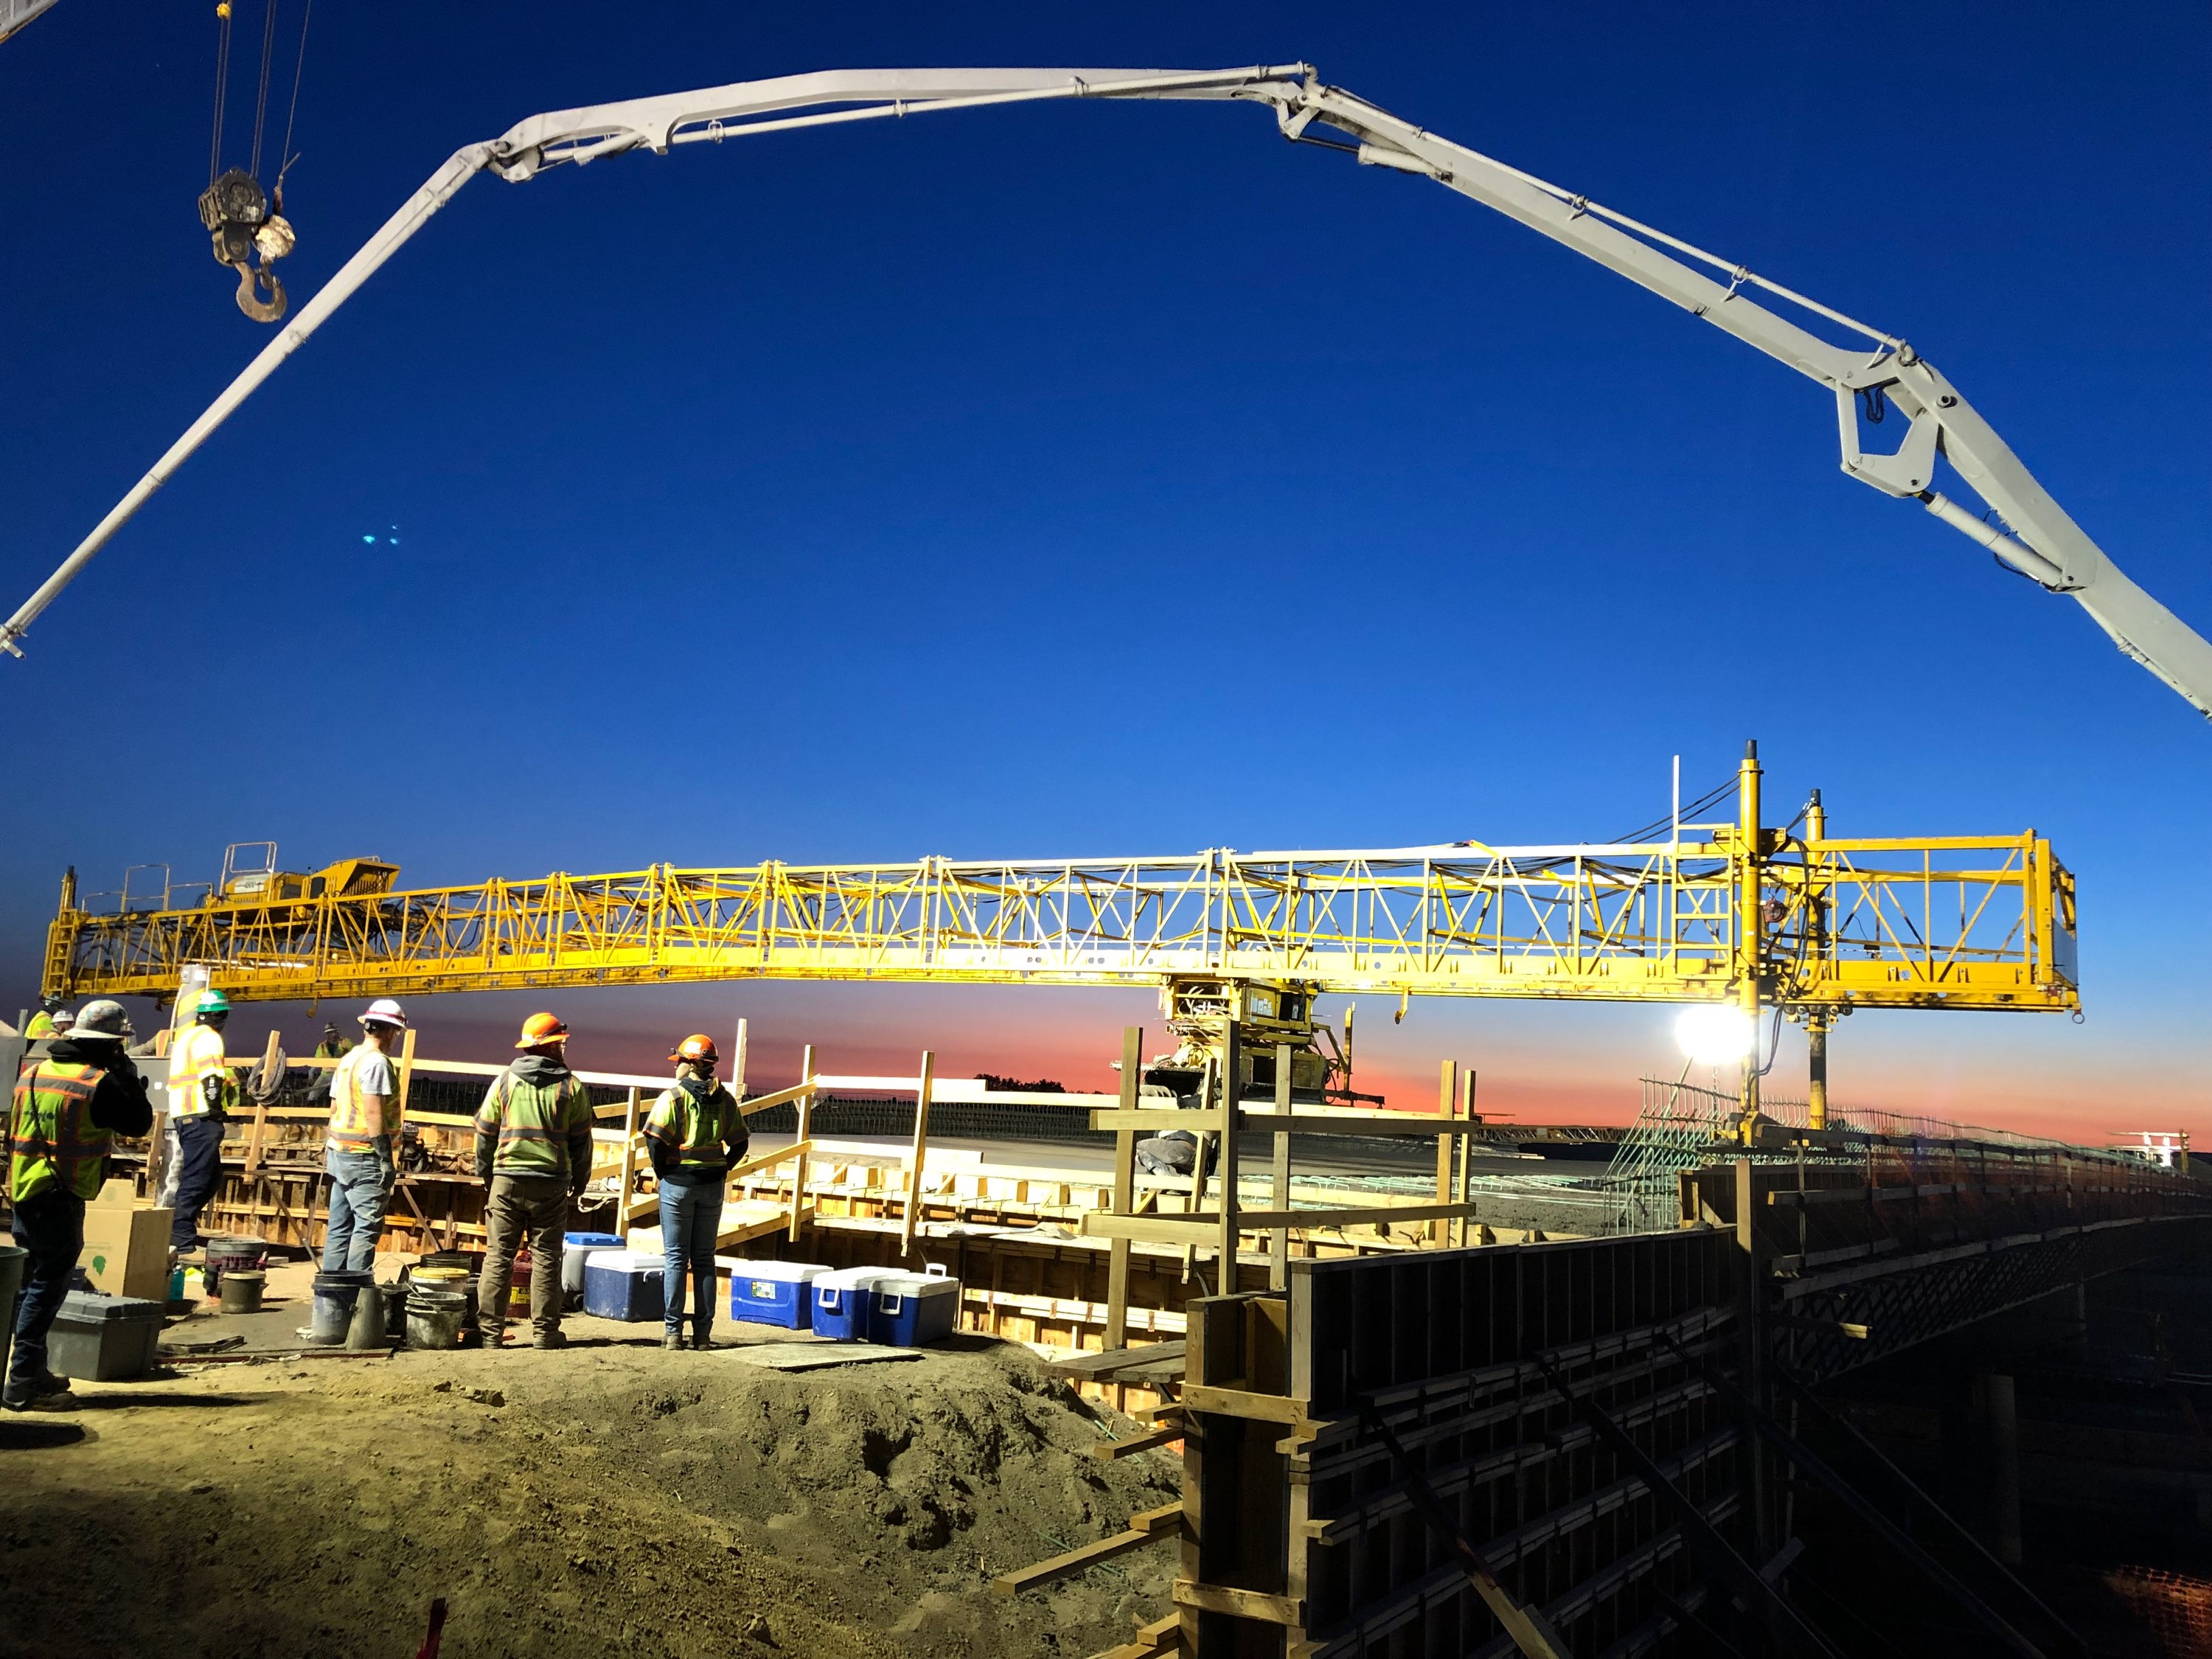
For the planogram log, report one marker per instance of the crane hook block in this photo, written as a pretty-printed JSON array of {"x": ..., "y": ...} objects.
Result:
[{"x": 235, "y": 210}]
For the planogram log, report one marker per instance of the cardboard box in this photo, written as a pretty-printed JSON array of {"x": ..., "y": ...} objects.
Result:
[{"x": 126, "y": 1245}]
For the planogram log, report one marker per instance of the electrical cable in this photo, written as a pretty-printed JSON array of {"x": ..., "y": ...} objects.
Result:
[{"x": 261, "y": 101}]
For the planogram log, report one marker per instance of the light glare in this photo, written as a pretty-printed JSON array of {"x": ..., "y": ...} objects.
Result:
[{"x": 1715, "y": 1035}]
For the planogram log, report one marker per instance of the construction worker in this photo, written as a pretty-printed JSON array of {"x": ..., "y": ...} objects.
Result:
[
  {"x": 364, "y": 1132},
  {"x": 695, "y": 1134},
  {"x": 203, "y": 1093},
  {"x": 332, "y": 1047},
  {"x": 42, "y": 1023},
  {"x": 66, "y": 1107},
  {"x": 534, "y": 1147}
]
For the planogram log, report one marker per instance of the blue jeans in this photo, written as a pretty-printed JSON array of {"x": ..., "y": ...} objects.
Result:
[
  {"x": 51, "y": 1227},
  {"x": 690, "y": 1217},
  {"x": 358, "y": 1195},
  {"x": 199, "y": 1172}
]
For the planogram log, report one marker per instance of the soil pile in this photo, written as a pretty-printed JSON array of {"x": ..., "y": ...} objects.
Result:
[{"x": 604, "y": 1499}]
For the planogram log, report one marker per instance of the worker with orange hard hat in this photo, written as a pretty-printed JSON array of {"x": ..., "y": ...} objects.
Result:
[
  {"x": 534, "y": 1147},
  {"x": 695, "y": 1134}
]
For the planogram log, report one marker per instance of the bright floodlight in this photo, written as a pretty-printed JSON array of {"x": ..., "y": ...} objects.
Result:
[{"x": 1716, "y": 1035}]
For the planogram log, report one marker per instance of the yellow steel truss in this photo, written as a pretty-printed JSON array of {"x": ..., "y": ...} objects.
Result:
[{"x": 1967, "y": 922}]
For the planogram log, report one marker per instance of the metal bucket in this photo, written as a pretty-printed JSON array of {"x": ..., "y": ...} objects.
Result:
[
  {"x": 241, "y": 1290},
  {"x": 13, "y": 1257}
]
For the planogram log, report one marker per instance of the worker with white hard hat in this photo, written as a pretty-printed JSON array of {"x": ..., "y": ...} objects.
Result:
[
  {"x": 364, "y": 1134},
  {"x": 68, "y": 1107}
]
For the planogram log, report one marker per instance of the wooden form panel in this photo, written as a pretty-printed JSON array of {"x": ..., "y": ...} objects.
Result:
[{"x": 1326, "y": 1552}]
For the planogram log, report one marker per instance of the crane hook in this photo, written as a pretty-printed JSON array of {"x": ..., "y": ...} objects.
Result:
[{"x": 250, "y": 301}]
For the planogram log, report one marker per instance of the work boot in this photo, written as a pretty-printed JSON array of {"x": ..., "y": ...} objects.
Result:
[
  {"x": 492, "y": 1335},
  {"x": 672, "y": 1341},
  {"x": 47, "y": 1393},
  {"x": 555, "y": 1338},
  {"x": 701, "y": 1338}
]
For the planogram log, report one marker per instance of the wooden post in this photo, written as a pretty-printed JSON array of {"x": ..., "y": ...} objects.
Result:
[
  {"x": 1194, "y": 1201},
  {"x": 629, "y": 1169},
  {"x": 260, "y": 1111},
  {"x": 1278, "y": 1255},
  {"x": 1125, "y": 1190},
  {"x": 805, "y": 1128},
  {"x": 736, "y": 1083},
  {"x": 1232, "y": 1066},
  {"x": 921, "y": 1152},
  {"x": 1447, "y": 1103},
  {"x": 406, "y": 1073}
]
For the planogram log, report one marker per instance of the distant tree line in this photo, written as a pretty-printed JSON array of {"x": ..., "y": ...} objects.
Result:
[{"x": 1043, "y": 1086}]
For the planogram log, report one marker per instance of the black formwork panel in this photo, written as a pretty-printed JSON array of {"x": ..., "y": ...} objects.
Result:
[{"x": 1441, "y": 1345}]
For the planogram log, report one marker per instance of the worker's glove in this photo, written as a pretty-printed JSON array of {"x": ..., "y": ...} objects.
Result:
[{"x": 211, "y": 1092}]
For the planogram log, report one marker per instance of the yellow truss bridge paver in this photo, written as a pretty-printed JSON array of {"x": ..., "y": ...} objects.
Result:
[{"x": 1960, "y": 923}]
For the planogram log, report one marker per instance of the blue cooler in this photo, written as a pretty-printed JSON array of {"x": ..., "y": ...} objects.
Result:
[
  {"x": 842, "y": 1300},
  {"x": 577, "y": 1248},
  {"x": 773, "y": 1292},
  {"x": 622, "y": 1284},
  {"x": 911, "y": 1310}
]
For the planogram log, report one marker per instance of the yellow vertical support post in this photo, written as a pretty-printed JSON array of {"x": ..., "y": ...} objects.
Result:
[
  {"x": 1818, "y": 1021},
  {"x": 1750, "y": 926},
  {"x": 1447, "y": 1103},
  {"x": 1466, "y": 1193},
  {"x": 627, "y": 1183},
  {"x": 1125, "y": 1190},
  {"x": 920, "y": 1153},
  {"x": 1233, "y": 1068},
  {"x": 1278, "y": 1246},
  {"x": 805, "y": 1128}
]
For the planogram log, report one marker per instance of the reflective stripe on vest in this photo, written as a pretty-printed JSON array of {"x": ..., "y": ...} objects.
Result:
[
  {"x": 531, "y": 1120},
  {"x": 56, "y": 1143},
  {"x": 694, "y": 1129},
  {"x": 197, "y": 1055},
  {"x": 349, "y": 1116}
]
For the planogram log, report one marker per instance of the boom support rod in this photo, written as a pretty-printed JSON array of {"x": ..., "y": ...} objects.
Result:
[{"x": 2035, "y": 538}]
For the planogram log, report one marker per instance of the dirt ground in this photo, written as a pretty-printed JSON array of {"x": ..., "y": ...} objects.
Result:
[{"x": 604, "y": 1499}]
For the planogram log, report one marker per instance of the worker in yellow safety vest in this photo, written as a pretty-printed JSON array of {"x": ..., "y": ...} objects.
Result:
[
  {"x": 364, "y": 1137},
  {"x": 695, "y": 1134},
  {"x": 203, "y": 1093},
  {"x": 534, "y": 1147},
  {"x": 66, "y": 1107},
  {"x": 41, "y": 1024}
]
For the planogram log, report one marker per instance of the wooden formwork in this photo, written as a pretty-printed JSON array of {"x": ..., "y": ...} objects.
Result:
[{"x": 1321, "y": 1421}]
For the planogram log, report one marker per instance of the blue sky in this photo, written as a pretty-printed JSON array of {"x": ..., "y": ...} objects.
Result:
[{"x": 1080, "y": 479}]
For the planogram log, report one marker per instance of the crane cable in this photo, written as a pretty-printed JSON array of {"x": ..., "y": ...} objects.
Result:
[
  {"x": 221, "y": 86},
  {"x": 234, "y": 209}
]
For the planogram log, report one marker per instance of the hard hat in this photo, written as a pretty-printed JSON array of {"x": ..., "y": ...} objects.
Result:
[
  {"x": 63, "y": 1019},
  {"x": 542, "y": 1029},
  {"x": 101, "y": 1022},
  {"x": 698, "y": 1046},
  {"x": 51, "y": 1005},
  {"x": 212, "y": 1002},
  {"x": 383, "y": 1011}
]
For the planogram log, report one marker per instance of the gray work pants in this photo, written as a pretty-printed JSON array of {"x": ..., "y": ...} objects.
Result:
[{"x": 520, "y": 1207}]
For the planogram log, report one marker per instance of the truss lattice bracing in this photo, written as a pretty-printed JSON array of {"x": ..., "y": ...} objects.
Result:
[{"x": 1960, "y": 923}]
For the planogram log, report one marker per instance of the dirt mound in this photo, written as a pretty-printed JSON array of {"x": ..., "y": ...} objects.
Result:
[{"x": 600, "y": 1500}]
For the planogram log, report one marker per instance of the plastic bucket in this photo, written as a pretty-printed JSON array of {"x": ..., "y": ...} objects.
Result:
[
  {"x": 233, "y": 1254},
  {"x": 434, "y": 1318},
  {"x": 335, "y": 1295},
  {"x": 12, "y": 1259},
  {"x": 241, "y": 1290},
  {"x": 517, "y": 1290}
]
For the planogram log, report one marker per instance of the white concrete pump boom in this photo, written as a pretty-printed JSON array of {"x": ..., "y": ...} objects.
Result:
[{"x": 2036, "y": 536}]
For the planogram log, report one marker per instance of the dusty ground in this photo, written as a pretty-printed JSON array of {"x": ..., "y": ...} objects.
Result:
[{"x": 607, "y": 1499}]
